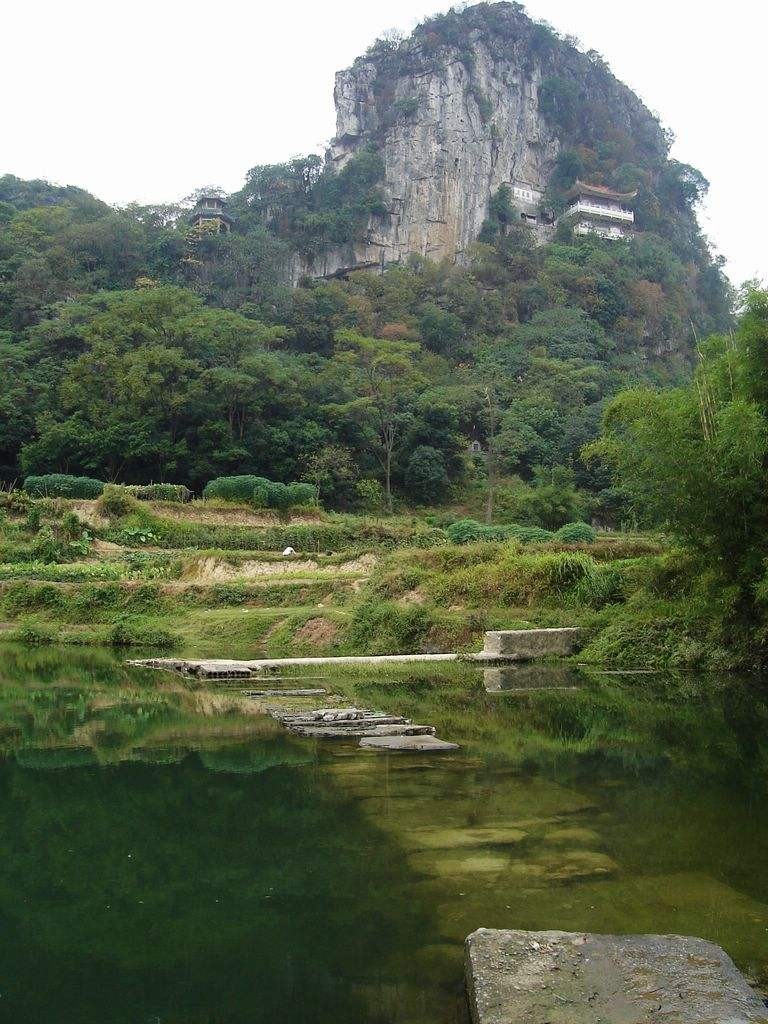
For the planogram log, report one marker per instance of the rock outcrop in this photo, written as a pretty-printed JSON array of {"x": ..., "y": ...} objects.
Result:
[
  {"x": 455, "y": 111},
  {"x": 444, "y": 162},
  {"x": 552, "y": 977}
]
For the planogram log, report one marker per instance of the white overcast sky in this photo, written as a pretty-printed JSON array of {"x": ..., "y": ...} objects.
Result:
[{"x": 148, "y": 99}]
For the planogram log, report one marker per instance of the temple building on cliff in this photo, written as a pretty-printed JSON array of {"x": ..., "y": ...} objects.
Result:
[
  {"x": 210, "y": 214},
  {"x": 528, "y": 199},
  {"x": 596, "y": 210}
]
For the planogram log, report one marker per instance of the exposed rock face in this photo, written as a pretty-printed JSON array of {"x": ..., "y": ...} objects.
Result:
[
  {"x": 445, "y": 161},
  {"x": 455, "y": 117}
]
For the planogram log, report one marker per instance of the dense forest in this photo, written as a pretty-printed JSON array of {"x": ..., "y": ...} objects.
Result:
[{"x": 134, "y": 348}]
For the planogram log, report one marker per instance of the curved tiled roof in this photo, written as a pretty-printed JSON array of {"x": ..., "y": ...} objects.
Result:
[{"x": 583, "y": 188}]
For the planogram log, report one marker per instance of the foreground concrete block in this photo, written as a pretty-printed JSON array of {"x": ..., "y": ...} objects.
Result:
[
  {"x": 529, "y": 644},
  {"x": 521, "y": 977}
]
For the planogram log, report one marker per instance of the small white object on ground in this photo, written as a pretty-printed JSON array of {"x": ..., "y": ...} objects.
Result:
[{"x": 288, "y": 551}]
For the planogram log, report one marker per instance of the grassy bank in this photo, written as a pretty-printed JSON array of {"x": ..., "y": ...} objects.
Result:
[{"x": 211, "y": 580}]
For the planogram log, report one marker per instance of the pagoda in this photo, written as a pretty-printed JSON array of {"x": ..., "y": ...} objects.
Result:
[
  {"x": 210, "y": 214},
  {"x": 596, "y": 210}
]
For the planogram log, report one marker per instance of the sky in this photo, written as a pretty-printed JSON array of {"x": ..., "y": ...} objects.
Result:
[{"x": 147, "y": 100}]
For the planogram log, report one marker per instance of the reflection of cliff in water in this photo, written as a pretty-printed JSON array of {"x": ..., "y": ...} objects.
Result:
[{"x": 187, "y": 894}]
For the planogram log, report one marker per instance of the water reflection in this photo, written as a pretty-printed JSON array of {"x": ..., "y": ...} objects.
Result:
[
  {"x": 169, "y": 856},
  {"x": 526, "y": 677}
]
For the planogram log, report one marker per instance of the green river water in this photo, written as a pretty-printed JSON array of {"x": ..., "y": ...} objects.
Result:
[{"x": 167, "y": 858}]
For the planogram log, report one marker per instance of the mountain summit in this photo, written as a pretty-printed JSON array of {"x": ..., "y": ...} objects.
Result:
[{"x": 487, "y": 99}]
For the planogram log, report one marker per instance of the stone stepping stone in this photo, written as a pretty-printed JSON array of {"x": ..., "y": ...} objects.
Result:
[
  {"x": 328, "y": 733},
  {"x": 284, "y": 693},
  {"x": 429, "y": 744},
  {"x": 348, "y": 727},
  {"x": 326, "y": 715}
]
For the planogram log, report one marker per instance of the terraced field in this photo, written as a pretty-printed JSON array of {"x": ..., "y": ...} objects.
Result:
[{"x": 212, "y": 580}]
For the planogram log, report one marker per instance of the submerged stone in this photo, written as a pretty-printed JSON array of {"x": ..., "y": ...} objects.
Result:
[
  {"x": 453, "y": 838},
  {"x": 471, "y": 863},
  {"x": 577, "y": 864},
  {"x": 553, "y": 977},
  {"x": 575, "y": 834}
]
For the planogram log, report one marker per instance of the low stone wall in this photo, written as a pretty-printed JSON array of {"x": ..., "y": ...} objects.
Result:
[{"x": 522, "y": 977}]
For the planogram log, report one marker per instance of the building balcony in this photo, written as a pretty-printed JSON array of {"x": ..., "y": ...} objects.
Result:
[
  {"x": 617, "y": 213},
  {"x": 601, "y": 228}
]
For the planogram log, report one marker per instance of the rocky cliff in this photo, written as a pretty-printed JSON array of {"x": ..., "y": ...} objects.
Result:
[{"x": 472, "y": 101}]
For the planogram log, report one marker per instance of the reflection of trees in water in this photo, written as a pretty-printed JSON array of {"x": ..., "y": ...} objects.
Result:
[
  {"x": 106, "y": 719},
  {"x": 117, "y": 714},
  {"x": 193, "y": 895},
  {"x": 256, "y": 757}
]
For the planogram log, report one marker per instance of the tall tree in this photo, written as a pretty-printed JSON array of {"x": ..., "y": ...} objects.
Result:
[
  {"x": 694, "y": 460},
  {"x": 384, "y": 381}
]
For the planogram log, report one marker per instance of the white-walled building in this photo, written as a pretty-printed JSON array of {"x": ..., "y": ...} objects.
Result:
[
  {"x": 527, "y": 199},
  {"x": 596, "y": 210}
]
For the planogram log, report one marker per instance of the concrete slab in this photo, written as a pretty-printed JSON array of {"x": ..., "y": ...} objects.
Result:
[
  {"x": 320, "y": 732},
  {"x": 408, "y": 743},
  {"x": 530, "y": 644},
  {"x": 552, "y": 977}
]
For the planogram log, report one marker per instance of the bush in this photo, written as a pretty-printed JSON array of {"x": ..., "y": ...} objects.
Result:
[
  {"x": 607, "y": 584},
  {"x": 562, "y": 572},
  {"x": 370, "y": 495},
  {"x": 160, "y": 492},
  {"x": 25, "y": 598},
  {"x": 260, "y": 492},
  {"x": 529, "y": 534},
  {"x": 45, "y": 547},
  {"x": 72, "y": 528},
  {"x": 34, "y": 518},
  {"x": 132, "y": 535},
  {"x": 576, "y": 533},
  {"x": 116, "y": 502},
  {"x": 260, "y": 496},
  {"x": 235, "y": 488},
  {"x": 302, "y": 494},
  {"x": 61, "y": 485},
  {"x": 640, "y": 640},
  {"x": 467, "y": 531},
  {"x": 386, "y": 628},
  {"x": 135, "y": 633},
  {"x": 278, "y": 496},
  {"x": 15, "y": 502},
  {"x": 34, "y": 633}
]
